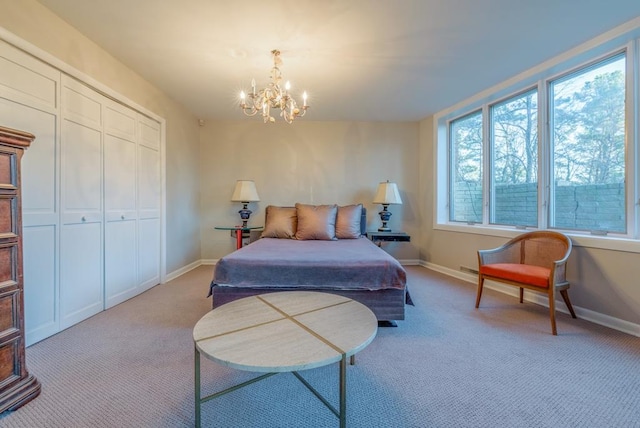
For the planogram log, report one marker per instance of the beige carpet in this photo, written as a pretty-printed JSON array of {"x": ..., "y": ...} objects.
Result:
[{"x": 446, "y": 365}]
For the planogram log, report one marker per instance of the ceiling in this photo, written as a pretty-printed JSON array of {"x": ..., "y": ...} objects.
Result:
[{"x": 362, "y": 60}]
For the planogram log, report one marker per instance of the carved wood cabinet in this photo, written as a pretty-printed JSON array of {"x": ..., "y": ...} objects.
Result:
[{"x": 17, "y": 386}]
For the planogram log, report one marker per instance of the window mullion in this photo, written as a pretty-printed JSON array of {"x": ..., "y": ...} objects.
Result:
[
  {"x": 632, "y": 120},
  {"x": 544, "y": 156},
  {"x": 487, "y": 161}
]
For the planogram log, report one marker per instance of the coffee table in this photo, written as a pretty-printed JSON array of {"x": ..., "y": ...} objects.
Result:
[{"x": 283, "y": 332}]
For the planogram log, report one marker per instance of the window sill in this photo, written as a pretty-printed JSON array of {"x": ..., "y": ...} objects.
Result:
[{"x": 612, "y": 243}]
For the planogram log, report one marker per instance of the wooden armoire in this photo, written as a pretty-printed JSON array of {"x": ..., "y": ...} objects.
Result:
[{"x": 17, "y": 386}]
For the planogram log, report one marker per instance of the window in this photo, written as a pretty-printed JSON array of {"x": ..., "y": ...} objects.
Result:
[
  {"x": 514, "y": 166},
  {"x": 588, "y": 139},
  {"x": 552, "y": 154},
  {"x": 466, "y": 169}
]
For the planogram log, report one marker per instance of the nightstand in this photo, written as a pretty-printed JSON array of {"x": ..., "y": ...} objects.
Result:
[
  {"x": 238, "y": 232},
  {"x": 380, "y": 237}
]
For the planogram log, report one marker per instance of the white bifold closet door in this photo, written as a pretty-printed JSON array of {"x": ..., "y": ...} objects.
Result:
[
  {"x": 81, "y": 229},
  {"x": 149, "y": 196},
  {"x": 121, "y": 219},
  {"x": 29, "y": 101}
]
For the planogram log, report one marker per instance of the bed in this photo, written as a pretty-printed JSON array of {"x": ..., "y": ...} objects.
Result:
[{"x": 318, "y": 248}]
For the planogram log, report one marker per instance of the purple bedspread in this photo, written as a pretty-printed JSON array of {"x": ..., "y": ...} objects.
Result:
[{"x": 355, "y": 264}]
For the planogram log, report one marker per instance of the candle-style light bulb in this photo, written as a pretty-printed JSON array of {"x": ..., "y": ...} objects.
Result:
[
  {"x": 242, "y": 95},
  {"x": 253, "y": 86},
  {"x": 287, "y": 85},
  {"x": 304, "y": 99}
]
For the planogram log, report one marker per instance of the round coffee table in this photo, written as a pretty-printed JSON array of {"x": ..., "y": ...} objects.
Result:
[{"x": 283, "y": 332}]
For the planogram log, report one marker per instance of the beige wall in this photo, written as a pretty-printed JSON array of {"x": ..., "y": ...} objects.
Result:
[
  {"x": 32, "y": 22},
  {"x": 307, "y": 162},
  {"x": 602, "y": 281}
]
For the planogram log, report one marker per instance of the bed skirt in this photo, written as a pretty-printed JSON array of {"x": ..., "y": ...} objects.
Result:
[{"x": 387, "y": 304}]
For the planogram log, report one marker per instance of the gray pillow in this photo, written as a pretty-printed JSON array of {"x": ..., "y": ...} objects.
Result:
[
  {"x": 348, "y": 222},
  {"x": 280, "y": 222},
  {"x": 316, "y": 222}
]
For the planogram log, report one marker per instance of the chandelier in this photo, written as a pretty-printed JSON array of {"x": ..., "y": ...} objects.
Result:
[{"x": 273, "y": 96}]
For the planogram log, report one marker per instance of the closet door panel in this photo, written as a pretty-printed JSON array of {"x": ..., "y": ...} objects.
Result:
[
  {"x": 39, "y": 192},
  {"x": 120, "y": 262},
  {"x": 120, "y": 178},
  {"x": 149, "y": 133},
  {"x": 149, "y": 182},
  {"x": 81, "y": 104},
  {"x": 81, "y": 284},
  {"x": 120, "y": 121},
  {"x": 40, "y": 294},
  {"x": 81, "y": 173},
  {"x": 149, "y": 252},
  {"x": 26, "y": 79}
]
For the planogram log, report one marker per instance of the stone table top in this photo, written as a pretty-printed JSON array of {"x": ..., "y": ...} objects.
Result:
[{"x": 285, "y": 331}]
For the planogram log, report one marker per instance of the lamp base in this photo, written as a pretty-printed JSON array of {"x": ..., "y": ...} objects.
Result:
[
  {"x": 245, "y": 213},
  {"x": 384, "y": 217}
]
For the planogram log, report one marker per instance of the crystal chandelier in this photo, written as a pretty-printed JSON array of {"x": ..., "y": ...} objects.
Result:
[{"x": 273, "y": 96}]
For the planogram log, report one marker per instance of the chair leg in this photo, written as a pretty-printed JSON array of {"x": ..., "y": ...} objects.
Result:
[
  {"x": 565, "y": 297},
  {"x": 552, "y": 311},
  {"x": 480, "y": 284},
  {"x": 521, "y": 295}
]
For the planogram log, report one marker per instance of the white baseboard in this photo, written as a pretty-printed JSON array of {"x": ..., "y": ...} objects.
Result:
[
  {"x": 209, "y": 261},
  {"x": 582, "y": 313},
  {"x": 410, "y": 262},
  {"x": 178, "y": 272}
]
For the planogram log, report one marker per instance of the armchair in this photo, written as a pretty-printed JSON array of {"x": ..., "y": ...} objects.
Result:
[{"x": 536, "y": 261}]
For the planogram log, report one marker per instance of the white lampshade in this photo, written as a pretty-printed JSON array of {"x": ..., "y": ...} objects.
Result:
[
  {"x": 387, "y": 194},
  {"x": 245, "y": 191}
]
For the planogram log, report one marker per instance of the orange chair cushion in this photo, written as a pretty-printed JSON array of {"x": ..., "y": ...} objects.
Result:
[{"x": 527, "y": 274}]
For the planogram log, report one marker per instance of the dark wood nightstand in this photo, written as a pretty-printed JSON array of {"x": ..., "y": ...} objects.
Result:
[{"x": 380, "y": 237}]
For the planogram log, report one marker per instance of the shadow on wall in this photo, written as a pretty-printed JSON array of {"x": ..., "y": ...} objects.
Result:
[{"x": 594, "y": 284}]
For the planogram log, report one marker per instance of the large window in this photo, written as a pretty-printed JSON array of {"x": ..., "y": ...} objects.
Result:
[
  {"x": 588, "y": 140},
  {"x": 561, "y": 164}
]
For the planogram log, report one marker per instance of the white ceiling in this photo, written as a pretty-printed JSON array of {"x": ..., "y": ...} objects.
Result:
[{"x": 399, "y": 60}]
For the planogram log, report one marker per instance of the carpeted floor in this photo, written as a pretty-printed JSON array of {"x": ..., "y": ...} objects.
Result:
[{"x": 446, "y": 365}]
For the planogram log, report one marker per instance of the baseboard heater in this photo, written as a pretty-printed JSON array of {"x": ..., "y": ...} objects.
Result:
[{"x": 468, "y": 270}]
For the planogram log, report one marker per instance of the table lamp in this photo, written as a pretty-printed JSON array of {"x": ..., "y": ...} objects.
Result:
[
  {"x": 245, "y": 192},
  {"x": 386, "y": 195}
]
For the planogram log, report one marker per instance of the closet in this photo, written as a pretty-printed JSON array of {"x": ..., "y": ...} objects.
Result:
[{"x": 92, "y": 194}]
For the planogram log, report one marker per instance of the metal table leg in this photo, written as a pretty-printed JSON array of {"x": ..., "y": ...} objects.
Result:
[
  {"x": 341, "y": 413},
  {"x": 196, "y": 366},
  {"x": 343, "y": 391},
  {"x": 238, "y": 239}
]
